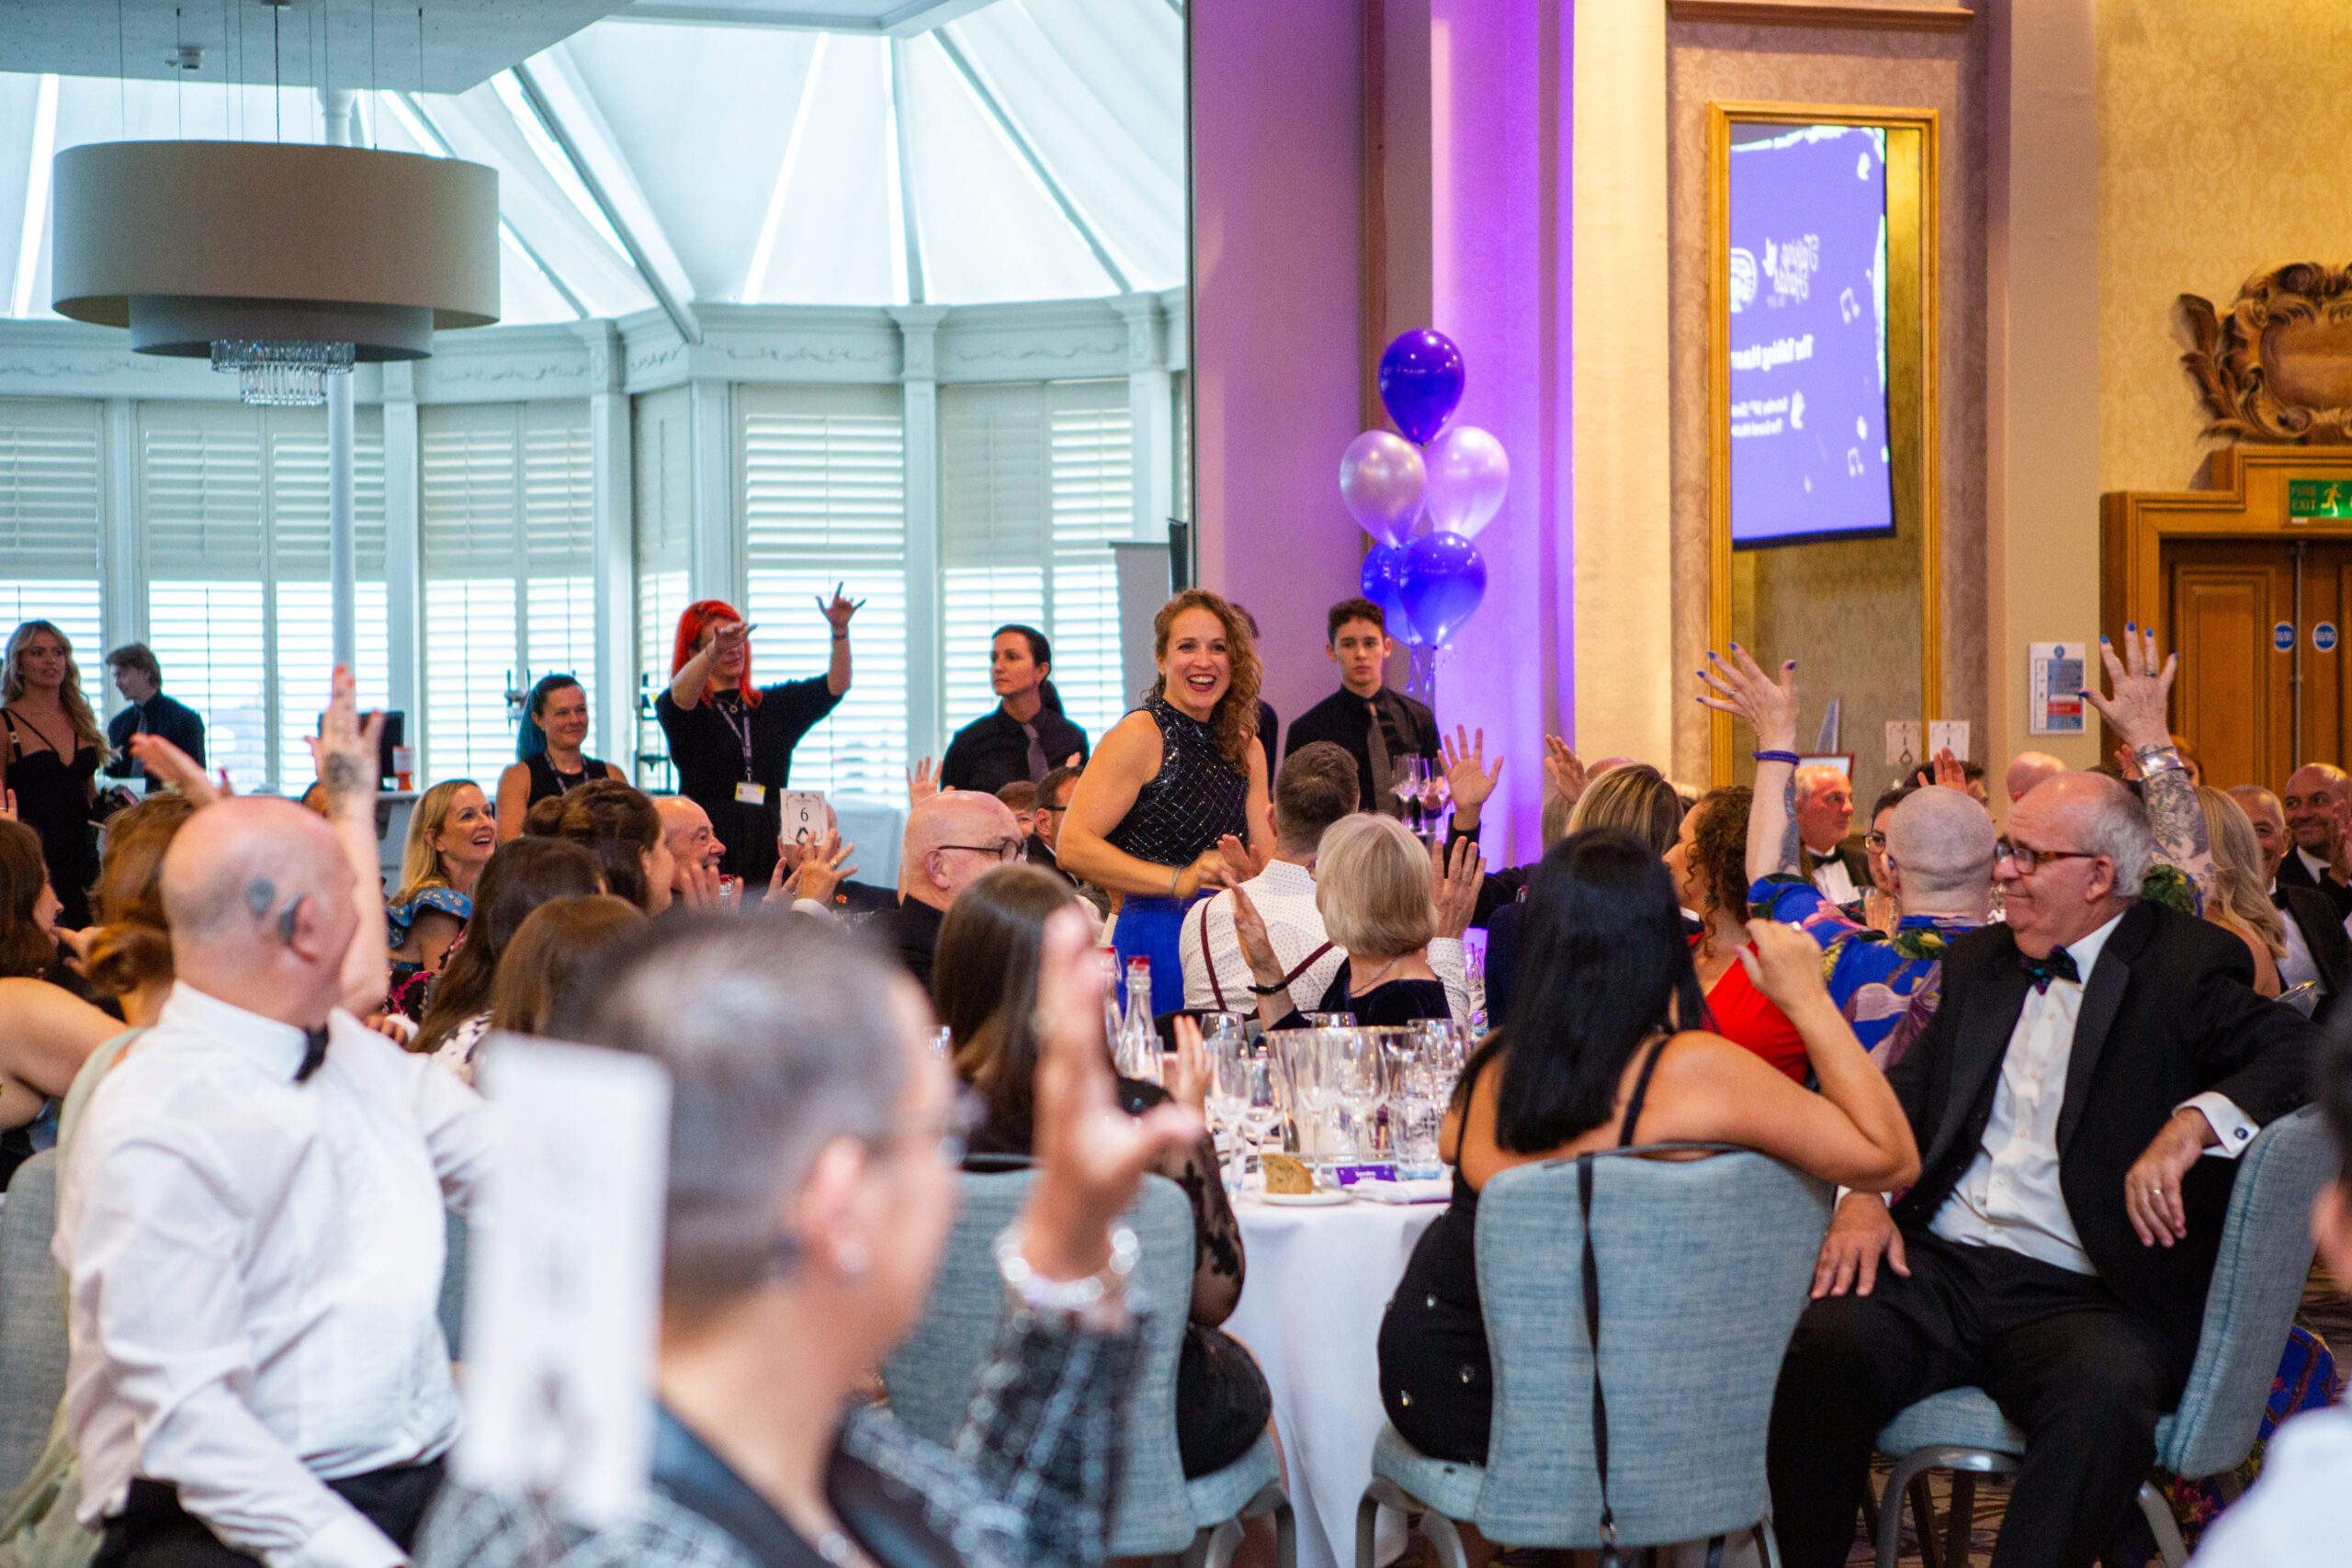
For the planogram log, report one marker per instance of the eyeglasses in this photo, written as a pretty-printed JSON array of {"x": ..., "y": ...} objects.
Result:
[
  {"x": 2027, "y": 860},
  {"x": 1002, "y": 850},
  {"x": 1874, "y": 842},
  {"x": 1053, "y": 810}
]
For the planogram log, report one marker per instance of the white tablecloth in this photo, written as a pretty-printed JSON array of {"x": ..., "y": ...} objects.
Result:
[{"x": 1319, "y": 1280}]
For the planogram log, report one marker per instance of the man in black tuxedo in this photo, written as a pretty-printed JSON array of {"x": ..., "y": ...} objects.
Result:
[
  {"x": 1379, "y": 728},
  {"x": 2319, "y": 818},
  {"x": 2318, "y": 947},
  {"x": 2057, "y": 1249}
]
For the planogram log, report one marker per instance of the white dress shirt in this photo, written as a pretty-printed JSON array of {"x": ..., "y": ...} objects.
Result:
[
  {"x": 1284, "y": 896},
  {"x": 256, "y": 1268},
  {"x": 2300, "y": 1514},
  {"x": 1830, "y": 876},
  {"x": 2010, "y": 1195}
]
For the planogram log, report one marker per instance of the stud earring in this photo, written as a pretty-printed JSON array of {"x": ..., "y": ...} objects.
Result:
[{"x": 851, "y": 1257}]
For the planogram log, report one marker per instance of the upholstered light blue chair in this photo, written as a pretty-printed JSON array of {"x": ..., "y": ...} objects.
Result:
[
  {"x": 1704, "y": 1267},
  {"x": 2266, "y": 1254},
  {"x": 1157, "y": 1514},
  {"x": 32, "y": 1319}
]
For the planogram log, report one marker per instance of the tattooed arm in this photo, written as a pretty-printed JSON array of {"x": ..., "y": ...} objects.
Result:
[
  {"x": 1738, "y": 687},
  {"x": 2137, "y": 712}
]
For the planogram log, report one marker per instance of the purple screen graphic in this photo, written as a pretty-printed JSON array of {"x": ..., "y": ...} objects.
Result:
[{"x": 1807, "y": 290}]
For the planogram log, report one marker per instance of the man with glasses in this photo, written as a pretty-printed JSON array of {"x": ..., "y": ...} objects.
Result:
[
  {"x": 1935, "y": 846},
  {"x": 951, "y": 838},
  {"x": 2093, "y": 1052}
]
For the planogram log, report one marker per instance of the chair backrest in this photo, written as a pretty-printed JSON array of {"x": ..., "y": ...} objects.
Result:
[
  {"x": 1704, "y": 1267},
  {"x": 931, "y": 1373},
  {"x": 2266, "y": 1253},
  {"x": 32, "y": 1319}
]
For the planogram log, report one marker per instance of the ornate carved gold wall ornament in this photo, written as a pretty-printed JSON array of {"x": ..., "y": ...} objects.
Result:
[{"x": 2278, "y": 366}]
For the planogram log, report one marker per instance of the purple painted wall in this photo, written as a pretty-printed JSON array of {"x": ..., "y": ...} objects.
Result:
[
  {"x": 1277, "y": 224},
  {"x": 1500, "y": 214}
]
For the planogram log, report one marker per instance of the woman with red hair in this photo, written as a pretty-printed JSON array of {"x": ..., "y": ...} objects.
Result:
[{"x": 731, "y": 741}]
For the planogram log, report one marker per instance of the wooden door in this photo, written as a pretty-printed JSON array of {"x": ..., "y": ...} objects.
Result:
[{"x": 2231, "y": 603}]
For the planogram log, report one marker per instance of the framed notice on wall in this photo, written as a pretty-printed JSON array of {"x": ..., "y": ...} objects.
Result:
[{"x": 2056, "y": 676}]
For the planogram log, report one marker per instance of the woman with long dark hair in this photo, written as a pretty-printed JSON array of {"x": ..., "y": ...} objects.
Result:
[
  {"x": 550, "y": 742},
  {"x": 1173, "y": 781},
  {"x": 519, "y": 878},
  {"x": 731, "y": 740},
  {"x": 1600, "y": 1051},
  {"x": 54, "y": 748},
  {"x": 985, "y": 983}
]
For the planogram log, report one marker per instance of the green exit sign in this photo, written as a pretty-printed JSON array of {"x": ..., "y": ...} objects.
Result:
[{"x": 2310, "y": 500}]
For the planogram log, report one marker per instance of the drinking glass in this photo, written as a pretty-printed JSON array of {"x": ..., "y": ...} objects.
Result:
[
  {"x": 1228, "y": 1097},
  {"x": 1361, "y": 1059},
  {"x": 1422, "y": 1084},
  {"x": 1314, "y": 1086},
  {"x": 1329, "y": 1019},
  {"x": 1262, "y": 1109}
]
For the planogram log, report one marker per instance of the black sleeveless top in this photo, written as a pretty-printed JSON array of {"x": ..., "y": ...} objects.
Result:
[
  {"x": 1437, "y": 1379},
  {"x": 547, "y": 784},
  {"x": 1197, "y": 798},
  {"x": 53, "y": 799}
]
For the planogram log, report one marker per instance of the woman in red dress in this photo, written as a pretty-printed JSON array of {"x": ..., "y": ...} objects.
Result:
[{"x": 1709, "y": 864}]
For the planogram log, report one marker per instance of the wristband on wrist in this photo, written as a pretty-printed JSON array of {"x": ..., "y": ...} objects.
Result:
[
  {"x": 2161, "y": 759},
  {"x": 1094, "y": 1302},
  {"x": 1276, "y": 990},
  {"x": 1788, "y": 757},
  {"x": 1176, "y": 883}
]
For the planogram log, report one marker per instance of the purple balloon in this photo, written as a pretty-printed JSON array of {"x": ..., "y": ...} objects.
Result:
[
  {"x": 1380, "y": 481},
  {"x": 1382, "y": 569},
  {"x": 1469, "y": 475},
  {"x": 1420, "y": 382},
  {"x": 1442, "y": 582}
]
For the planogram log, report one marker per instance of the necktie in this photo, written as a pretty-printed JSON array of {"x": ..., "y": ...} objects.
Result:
[
  {"x": 314, "y": 1051},
  {"x": 1383, "y": 772},
  {"x": 1038, "y": 768},
  {"x": 2059, "y": 965}
]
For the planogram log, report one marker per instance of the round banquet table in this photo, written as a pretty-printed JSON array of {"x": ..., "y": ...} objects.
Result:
[{"x": 1318, "y": 1282}]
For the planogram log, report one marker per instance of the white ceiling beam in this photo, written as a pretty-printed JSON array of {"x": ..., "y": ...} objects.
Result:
[
  {"x": 902, "y": 126},
  {"x": 36, "y": 213},
  {"x": 908, "y": 20},
  {"x": 681, "y": 314},
  {"x": 1027, "y": 152}
]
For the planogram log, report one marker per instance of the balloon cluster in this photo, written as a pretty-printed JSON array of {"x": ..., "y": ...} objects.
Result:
[{"x": 1430, "y": 583}]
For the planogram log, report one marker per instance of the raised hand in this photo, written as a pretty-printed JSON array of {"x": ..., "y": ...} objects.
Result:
[
  {"x": 840, "y": 608},
  {"x": 822, "y": 869},
  {"x": 1466, "y": 776},
  {"x": 1091, "y": 1155},
  {"x": 923, "y": 781},
  {"x": 1950, "y": 773},
  {"x": 1191, "y": 1084},
  {"x": 1257, "y": 945},
  {"x": 1739, "y": 687},
  {"x": 174, "y": 767},
  {"x": 1785, "y": 964},
  {"x": 1458, "y": 877},
  {"x": 2137, "y": 710},
  {"x": 1564, "y": 770},
  {"x": 1241, "y": 864},
  {"x": 346, "y": 751}
]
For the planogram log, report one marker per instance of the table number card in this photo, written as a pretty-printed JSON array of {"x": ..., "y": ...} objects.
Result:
[
  {"x": 804, "y": 816},
  {"x": 1948, "y": 733},
  {"x": 563, "y": 1280}
]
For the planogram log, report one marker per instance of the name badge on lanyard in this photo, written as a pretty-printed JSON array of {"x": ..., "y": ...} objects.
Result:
[
  {"x": 746, "y": 792},
  {"x": 751, "y": 793}
]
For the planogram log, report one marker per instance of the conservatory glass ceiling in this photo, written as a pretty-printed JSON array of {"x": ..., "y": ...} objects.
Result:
[{"x": 1026, "y": 149}]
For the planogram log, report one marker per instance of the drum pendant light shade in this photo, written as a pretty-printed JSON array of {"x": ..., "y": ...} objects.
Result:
[{"x": 239, "y": 250}]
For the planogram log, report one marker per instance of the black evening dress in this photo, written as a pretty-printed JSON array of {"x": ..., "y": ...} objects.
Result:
[
  {"x": 1195, "y": 799},
  {"x": 1388, "y": 1006},
  {"x": 723, "y": 743},
  {"x": 53, "y": 799}
]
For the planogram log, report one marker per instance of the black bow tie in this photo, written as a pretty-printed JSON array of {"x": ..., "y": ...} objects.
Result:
[
  {"x": 314, "y": 1051},
  {"x": 2059, "y": 965}
]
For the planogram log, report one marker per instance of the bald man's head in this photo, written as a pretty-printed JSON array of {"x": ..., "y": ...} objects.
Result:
[
  {"x": 258, "y": 896},
  {"x": 687, "y": 829},
  {"x": 2028, "y": 769},
  {"x": 1939, "y": 843},
  {"x": 2269, "y": 820},
  {"x": 951, "y": 838},
  {"x": 2316, "y": 799}
]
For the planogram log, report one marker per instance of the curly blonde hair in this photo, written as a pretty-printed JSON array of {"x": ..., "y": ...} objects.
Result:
[
  {"x": 87, "y": 730},
  {"x": 1234, "y": 720}
]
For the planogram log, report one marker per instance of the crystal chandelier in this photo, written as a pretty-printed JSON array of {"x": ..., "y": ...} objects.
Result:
[{"x": 291, "y": 375}]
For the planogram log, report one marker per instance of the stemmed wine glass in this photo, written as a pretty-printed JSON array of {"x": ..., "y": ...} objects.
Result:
[
  {"x": 1362, "y": 1061},
  {"x": 1228, "y": 1086}
]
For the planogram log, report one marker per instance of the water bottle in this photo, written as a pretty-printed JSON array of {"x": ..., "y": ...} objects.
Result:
[
  {"x": 1114, "y": 1024},
  {"x": 1140, "y": 1038}
]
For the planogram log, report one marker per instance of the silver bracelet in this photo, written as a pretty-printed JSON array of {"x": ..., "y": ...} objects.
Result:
[
  {"x": 1076, "y": 1301},
  {"x": 2155, "y": 760},
  {"x": 1175, "y": 880}
]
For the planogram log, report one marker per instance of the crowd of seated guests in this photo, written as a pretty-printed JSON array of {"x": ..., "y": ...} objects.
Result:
[{"x": 1669, "y": 970}]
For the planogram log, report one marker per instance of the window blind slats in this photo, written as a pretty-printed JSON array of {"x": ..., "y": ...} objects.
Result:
[
  {"x": 50, "y": 491},
  {"x": 824, "y": 503}
]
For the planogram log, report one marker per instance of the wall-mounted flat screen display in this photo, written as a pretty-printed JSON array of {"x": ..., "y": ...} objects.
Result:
[{"x": 1810, "y": 458}]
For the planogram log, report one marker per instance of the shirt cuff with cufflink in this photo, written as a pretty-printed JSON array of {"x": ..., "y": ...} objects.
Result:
[{"x": 2229, "y": 1123}]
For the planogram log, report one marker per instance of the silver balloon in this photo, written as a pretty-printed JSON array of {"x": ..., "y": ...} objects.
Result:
[
  {"x": 1469, "y": 475},
  {"x": 1381, "y": 478}
]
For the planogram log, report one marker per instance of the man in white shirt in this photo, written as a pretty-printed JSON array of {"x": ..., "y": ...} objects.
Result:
[
  {"x": 2057, "y": 1249},
  {"x": 1825, "y": 811},
  {"x": 251, "y": 1224},
  {"x": 1316, "y": 787}
]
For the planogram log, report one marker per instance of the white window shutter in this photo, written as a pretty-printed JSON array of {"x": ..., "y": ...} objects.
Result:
[
  {"x": 823, "y": 473},
  {"x": 664, "y": 521},
  {"x": 49, "y": 503},
  {"x": 1094, "y": 504}
]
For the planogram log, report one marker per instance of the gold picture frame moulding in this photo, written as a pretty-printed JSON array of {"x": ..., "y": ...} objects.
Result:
[{"x": 1911, "y": 211}]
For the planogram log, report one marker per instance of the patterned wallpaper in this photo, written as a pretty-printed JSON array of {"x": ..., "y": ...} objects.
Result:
[
  {"x": 2223, "y": 150},
  {"x": 1843, "y": 596}
]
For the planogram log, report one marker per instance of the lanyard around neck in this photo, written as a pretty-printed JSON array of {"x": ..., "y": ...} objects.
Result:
[{"x": 742, "y": 732}]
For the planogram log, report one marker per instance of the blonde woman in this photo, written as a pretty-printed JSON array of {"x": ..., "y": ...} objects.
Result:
[
  {"x": 55, "y": 746},
  {"x": 1383, "y": 900},
  {"x": 450, "y": 837},
  {"x": 2241, "y": 905}
]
